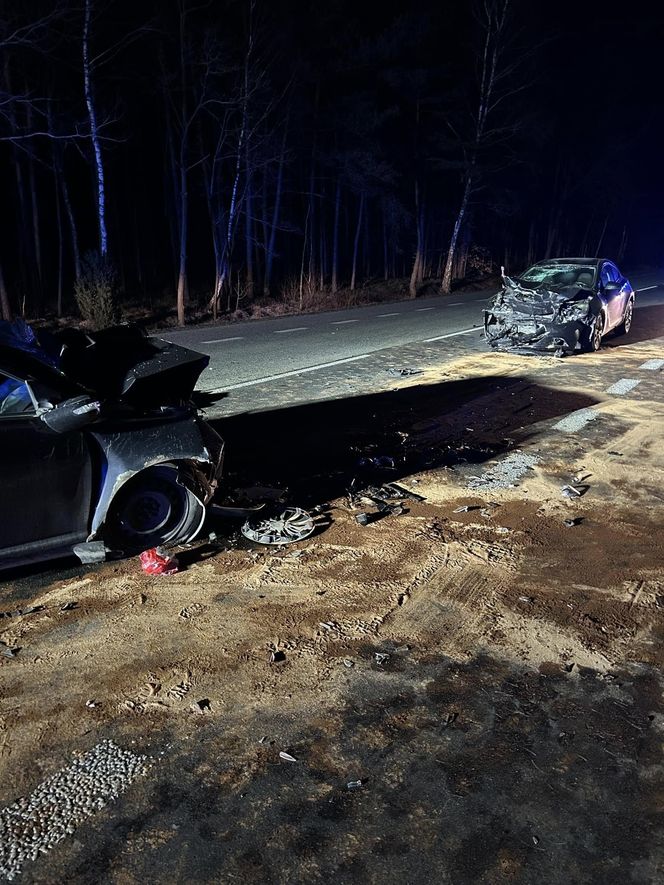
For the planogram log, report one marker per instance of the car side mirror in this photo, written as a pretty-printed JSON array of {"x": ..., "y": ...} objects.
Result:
[{"x": 73, "y": 414}]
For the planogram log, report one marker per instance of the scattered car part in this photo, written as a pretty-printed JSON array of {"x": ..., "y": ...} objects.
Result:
[
  {"x": 571, "y": 492},
  {"x": 291, "y": 525},
  {"x": 157, "y": 561},
  {"x": 403, "y": 373},
  {"x": 564, "y": 305},
  {"x": 287, "y": 757}
]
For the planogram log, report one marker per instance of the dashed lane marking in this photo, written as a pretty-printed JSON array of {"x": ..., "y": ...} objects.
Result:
[
  {"x": 350, "y": 359},
  {"x": 286, "y": 331},
  {"x": 343, "y": 322},
  {"x": 623, "y": 386},
  {"x": 222, "y": 340},
  {"x": 389, "y": 314},
  {"x": 652, "y": 365},
  {"x": 450, "y": 335}
]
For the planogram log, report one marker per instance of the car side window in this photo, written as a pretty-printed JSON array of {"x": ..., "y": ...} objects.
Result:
[
  {"x": 15, "y": 397},
  {"x": 606, "y": 275},
  {"x": 615, "y": 273}
]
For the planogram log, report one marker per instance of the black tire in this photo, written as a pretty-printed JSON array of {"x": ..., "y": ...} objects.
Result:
[
  {"x": 154, "y": 508},
  {"x": 595, "y": 334},
  {"x": 626, "y": 324}
]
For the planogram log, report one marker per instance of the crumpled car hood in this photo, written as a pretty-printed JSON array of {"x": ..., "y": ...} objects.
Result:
[
  {"x": 119, "y": 364},
  {"x": 540, "y": 318}
]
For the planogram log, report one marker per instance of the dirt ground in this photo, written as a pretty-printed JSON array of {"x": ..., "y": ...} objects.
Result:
[{"x": 470, "y": 696}]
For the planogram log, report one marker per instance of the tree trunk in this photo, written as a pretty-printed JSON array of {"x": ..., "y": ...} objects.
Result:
[
  {"x": 356, "y": 244},
  {"x": 36, "y": 233},
  {"x": 94, "y": 132},
  {"x": 446, "y": 286},
  {"x": 601, "y": 237},
  {"x": 249, "y": 231},
  {"x": 416, "y": 273},
  {"x": 5, "y": 307},
  {"x": 335, "y": 239},
  {"x": 183, "y": 209},
  {"x": 269, "y": 256},
  {"x": 58, "y": 218}
]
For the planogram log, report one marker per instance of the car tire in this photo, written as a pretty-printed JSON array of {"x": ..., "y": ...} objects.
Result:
[
  {"x": 595, "y": 334},
  {"x": 156, "y": 507},
  {"x": 626, "y": 324}
]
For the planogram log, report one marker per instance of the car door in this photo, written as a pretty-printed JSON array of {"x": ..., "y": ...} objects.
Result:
[
  {"x": 613, "y": 293},
  {"x": 46, "y": 480}
]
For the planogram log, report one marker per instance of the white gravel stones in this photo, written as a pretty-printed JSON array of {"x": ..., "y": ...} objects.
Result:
[
  {"x": 505, "y": 474},
  {"x": 34, "y": 824},
  {"x": 623, "y": 386},
  {"x": 652, "y": 365},
  {"x": 576, "y": 421}
]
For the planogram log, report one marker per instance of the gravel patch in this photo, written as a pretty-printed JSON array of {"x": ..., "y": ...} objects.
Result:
[
  {"x": 505, "y": 474},
  {"x": 623, "y": 386},
  {"x": 34, "y": 824},
  {"x": 576, "y": 421}
]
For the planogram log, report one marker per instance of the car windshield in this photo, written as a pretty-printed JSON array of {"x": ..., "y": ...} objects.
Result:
[{"x": 560, "y": 275}]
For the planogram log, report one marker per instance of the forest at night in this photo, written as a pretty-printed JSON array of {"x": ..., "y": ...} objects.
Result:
[{"x": 200, "y": 158}]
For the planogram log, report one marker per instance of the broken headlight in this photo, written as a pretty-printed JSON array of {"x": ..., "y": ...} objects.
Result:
[{"x": 574, "y": 310}]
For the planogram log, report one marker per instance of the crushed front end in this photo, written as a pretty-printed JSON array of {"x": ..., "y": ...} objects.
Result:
[{"x": 522, "y": 319}]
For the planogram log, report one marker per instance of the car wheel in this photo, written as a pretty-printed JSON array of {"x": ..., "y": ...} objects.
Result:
[
  {"x": 595, "y": 333},
  {"x": 626, "y": 324},
  {"x": 155, "y": 507}
]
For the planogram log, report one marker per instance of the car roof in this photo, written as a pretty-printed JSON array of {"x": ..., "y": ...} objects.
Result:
[{"x": 592, "y": 261}]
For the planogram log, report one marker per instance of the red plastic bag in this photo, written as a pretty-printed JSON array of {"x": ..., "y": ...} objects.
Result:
[{"x": 156, "y": 561}]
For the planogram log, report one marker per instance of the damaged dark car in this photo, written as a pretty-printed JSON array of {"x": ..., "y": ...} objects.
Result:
[
  {"x": 564, "y": 305},
  {"x": 101, "y": 448}
]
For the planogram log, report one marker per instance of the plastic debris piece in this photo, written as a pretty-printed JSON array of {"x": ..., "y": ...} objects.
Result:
[
  {"x": 90, "y": 552},
  {"x": 91, "y": 704},
  {"x": 571, "y": 492},
  {"x": 403, "y": 373},
  {"x": 381, "y": 657},
  {"x": 291, "y": 525},
  {"x": 363, "y": 518},
  {"x": 22, "y": 611},
  {"x": 9, "y": 651},
  {"x": 354, "y": 785},
  {"x": 156, "y": 561},
  {"x": 287, "y": 757},
  {"x": 348, "y": 663},
  {"x": 571, "y": 522},
  {"x": 68, "y": 606}
]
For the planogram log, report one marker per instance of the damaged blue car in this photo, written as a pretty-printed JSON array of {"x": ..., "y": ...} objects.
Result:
[{"x": 564, "y": 305}]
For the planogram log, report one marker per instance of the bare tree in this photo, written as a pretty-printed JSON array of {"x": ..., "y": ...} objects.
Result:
[{"x": 496, "y": 82}]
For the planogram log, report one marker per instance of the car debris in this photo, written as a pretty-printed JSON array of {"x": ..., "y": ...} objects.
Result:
[
  {"x": 569, "y": 491},
  {"x": 291, "y": 525},
  {"x": 348, "y": 663},
  {"x": 9, "y": 651},
  {"x": 570, "y": 523},
  {"x": 111, "y": 456},
  {"x": 565, "y": 305},
  {"x": 354, "y": 785},
  {"x": 403, "y": 373},
  {"x": 380, "y": 657},
  {"x": 68, "y": 606},
  {"x": 363, "y": 518},
  {"x": 157, "y": 561},
  {"x": 19, "y": 612},
  {"x": 286, "y": 757}
]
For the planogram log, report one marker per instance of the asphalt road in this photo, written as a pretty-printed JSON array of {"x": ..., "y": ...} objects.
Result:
[{"x": 258, "y": 351}]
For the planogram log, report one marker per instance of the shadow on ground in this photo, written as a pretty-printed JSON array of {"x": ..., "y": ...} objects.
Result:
[
  {"x": 477, "y": 772},
  {"x": 316, "y": 449}
]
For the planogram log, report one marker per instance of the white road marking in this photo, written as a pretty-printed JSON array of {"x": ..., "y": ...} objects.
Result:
[
  {"x": 450, "y": 335},
  {"x": 623, "y": 386},
  {"x": 424, "y": 308},
  {"x": 343, "y": 322},
  {"x": 221, "y": 340},
  {"x": 350, "y": 359},
  {"x": 455, "y": 303},
  {"x": 653, "y": 365},
  {"x": 286, "y": 331},
  {"x": 576, "y": 421},
  {"x": 389, "y": 314},
  {"x": 647, "y": 288}
]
